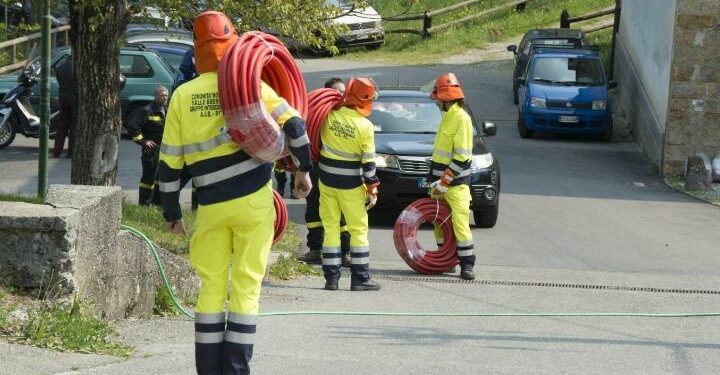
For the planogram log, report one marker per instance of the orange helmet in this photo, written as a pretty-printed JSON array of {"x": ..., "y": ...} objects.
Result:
[
  {"x": 360, "y": 94},
  {"x": 447, "y": 88},
  {"x": 213, "y": 33}
]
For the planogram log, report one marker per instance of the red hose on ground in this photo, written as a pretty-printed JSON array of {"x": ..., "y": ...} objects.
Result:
[
  {"x": 281, "y": 216},
  {"x": 425, "y": 210},
  {"x": 320, "y": 103},
  {"x": 253, "y": 58}
]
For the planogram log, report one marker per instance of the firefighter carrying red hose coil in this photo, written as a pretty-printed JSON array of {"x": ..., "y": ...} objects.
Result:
[{"x": 234, "y": 222}]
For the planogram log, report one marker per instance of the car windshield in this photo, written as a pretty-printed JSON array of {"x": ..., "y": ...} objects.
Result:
[
  {"x": 405, "y": 115},
  {"x": 567, "y": 71}
]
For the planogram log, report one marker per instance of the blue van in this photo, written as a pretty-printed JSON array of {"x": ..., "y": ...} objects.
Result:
[{"x": 564, "y": 91}]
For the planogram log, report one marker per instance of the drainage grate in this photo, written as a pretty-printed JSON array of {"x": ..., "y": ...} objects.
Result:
[{"x": 448, "y": 280}]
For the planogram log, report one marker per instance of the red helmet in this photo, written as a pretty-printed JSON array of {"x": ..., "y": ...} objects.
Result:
[
  {"x": 213, "y": 33},
  {"x": 447, "y": 88},
  {"x": 360, "y": 94}
]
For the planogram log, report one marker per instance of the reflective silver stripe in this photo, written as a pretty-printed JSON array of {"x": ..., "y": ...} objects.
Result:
[
  {"x": 207, "y": 145},
  {"x": 171, "y": 150},
  {"x": 279, "y": 110},
  {"x": 341, "y": 171},
  {"x": 342, "y": 154},
  {"x": 170, "y": 187},
  {"x": 368, "y": 155},
  {"x": 240, "y": 338},
  {"x": 443, "y": 154},
  {"x": 370, "y": 173},
  {"x": 463, "y": 152},
  {"x": 209, "y": 337},
  {"x": 465, "y": 243},
  {"x": 363, "y": 260},
  {"x": 331, "y": 261},
  {"x": 330, "y": 250},
  {"x": 464, "y": 173},
  {"x": 212, "y": 318},
  {"x": 455, "y": 167},
  {"x": 465, "y": 253},
  {"x": 225, "y": 173},
  {"x": 360, "y": 249},
  {"x": 435, "y": 172},
  {"x": 302, "y": 141},
  {"x": 249, "y": 320}
]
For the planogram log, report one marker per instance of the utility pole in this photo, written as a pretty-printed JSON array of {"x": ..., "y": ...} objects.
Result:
[{"x": 44, "y": 101}]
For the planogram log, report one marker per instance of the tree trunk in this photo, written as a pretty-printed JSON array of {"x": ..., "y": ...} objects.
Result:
[{"x": 95, "y": 47}]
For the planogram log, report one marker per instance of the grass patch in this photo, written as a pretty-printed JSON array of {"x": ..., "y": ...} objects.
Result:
[
  {"x": 63, "y": 328},
  {"x": 149, "y": 220},
  {"x": 164, "y": 305},
  {"x": 411, "y": 49},
  {"x": 712, "y": 196},
  {"x": 287, "y": 267},
  {"x": 603, "y": 39},
  {"x": 20, "y": 198}
]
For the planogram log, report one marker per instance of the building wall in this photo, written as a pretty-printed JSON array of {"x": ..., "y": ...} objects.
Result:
[
  {"x": 643, "y": 67},
  {"x": 694, "y": 103}
]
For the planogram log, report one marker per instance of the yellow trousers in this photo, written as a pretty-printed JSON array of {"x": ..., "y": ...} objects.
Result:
[{"x": 458, "y": 198}]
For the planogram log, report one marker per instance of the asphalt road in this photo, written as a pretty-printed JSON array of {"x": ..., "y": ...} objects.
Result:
[{"x": 583, "y": 225}]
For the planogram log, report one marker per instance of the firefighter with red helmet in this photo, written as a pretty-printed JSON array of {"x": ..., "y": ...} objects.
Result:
[
  {"x": 450, "y": 166},
  {"x": 235, "y": 218},
  {"x": 346, "y": 172}
]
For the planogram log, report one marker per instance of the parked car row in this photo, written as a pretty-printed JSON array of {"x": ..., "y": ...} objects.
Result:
[{"x": 560, "y": 85}]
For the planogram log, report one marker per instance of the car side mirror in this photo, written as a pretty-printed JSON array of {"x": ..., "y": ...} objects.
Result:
[
  {"x": 612, "y": 84},
  {"x": 520, "y": 81},
  {"x": 512, "y": 48},
  {"x": 489, "y": 128}
]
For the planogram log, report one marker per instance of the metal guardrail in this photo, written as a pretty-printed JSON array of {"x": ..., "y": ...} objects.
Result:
[
  {"x": 12, "y": 44},
  {"x": 427, "y": 17}
]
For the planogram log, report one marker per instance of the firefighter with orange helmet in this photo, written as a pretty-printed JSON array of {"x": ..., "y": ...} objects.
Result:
[
  {"x": 235, "y": 218},
  {"x": 450, "y": 166},
  {"x": 346, "y": 172}
]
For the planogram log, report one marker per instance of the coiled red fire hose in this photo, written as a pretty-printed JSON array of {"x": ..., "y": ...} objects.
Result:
[
  {"x": 320, "y": 103},
  {"x": 281, "y": 216},
  {"x": 421, "y": 211},
  {"x": 253, "y": 58}
]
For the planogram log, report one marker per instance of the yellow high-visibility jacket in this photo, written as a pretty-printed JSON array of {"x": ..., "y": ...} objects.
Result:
[
  {"x": 453, "y": 146},
  {"x": 195, "y": 135},
  {"x": 347, "y": 157}
]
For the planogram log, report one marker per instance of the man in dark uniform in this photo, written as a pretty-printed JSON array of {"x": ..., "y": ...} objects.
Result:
[
  {"x": 146, "y": 129},
  {"x": 66, "y": 88}
]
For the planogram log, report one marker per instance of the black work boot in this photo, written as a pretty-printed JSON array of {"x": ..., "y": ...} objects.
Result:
[
  {"x": 365, "y": 285},
  {"x": 331, "y": 285},
  {"x": 466, "y": 272}
]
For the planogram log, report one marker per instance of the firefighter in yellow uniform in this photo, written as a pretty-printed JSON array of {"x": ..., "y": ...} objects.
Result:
[
  {"x": 346, "y": 172},
  {"x": 450, "y": 166},
  {"x": 234, "y": 223}
]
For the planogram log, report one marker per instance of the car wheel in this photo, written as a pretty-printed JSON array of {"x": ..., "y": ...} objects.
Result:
[
  {"x": 487, "y": 218},
  {"x": 606, "y": 136},
  {"x": 524, "y": 131},
  {"x": 7, "y": 133}
]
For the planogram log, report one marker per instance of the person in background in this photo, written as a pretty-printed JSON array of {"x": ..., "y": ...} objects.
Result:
[{"x": 66, "y": 87}]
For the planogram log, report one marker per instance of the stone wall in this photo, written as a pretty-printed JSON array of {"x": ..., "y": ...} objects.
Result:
[
  {"x": 73, "y": 246},
  {"x": 694, "y": 111}
]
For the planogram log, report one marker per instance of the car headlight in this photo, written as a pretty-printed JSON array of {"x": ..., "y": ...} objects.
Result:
[
  {"x": 386, "y": 161},
  {"x": 599, "y": 105},
  {"x": 537, "y": 102},
  {"x": 482, "y": 161}
]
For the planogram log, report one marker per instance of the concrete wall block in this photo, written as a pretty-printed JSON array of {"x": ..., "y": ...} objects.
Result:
[
  {"x": 689, "y": 90},
  {"x": 696, "y": 22},
  {"x": 682, "y": 72},
  {"x": 698, "y": 7}
]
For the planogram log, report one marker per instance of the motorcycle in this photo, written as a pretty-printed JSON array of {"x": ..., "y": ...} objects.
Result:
[{"x": 16, "y": 112}]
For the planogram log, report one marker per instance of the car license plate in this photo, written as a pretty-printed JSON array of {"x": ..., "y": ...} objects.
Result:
[
  {"x": 569, "y": 119},
  {"x": 422, "y": 183}
]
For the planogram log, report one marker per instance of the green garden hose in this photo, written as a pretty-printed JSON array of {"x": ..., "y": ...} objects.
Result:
[{"x": 180, "y": 308}]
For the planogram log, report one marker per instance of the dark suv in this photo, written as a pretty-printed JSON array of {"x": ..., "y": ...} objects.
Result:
[
  {"x": 549, "y": 37},
  {"x": 405, "y": 124}
]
